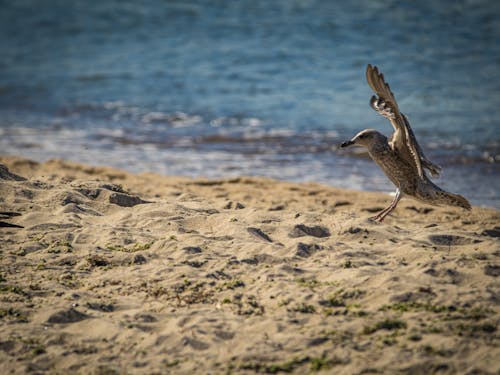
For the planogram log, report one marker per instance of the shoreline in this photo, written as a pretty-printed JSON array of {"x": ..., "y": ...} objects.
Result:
[
  {"x": 112, "y": 272},
  {"x": 83, "y": 169}
]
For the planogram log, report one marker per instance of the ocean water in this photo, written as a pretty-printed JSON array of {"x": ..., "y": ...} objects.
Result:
[{"x": 269, "y": 88}]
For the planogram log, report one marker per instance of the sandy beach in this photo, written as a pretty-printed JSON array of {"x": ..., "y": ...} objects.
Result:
[{"x": 107, "y": 272}]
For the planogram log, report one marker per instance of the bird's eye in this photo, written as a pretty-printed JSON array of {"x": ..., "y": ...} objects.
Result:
[{"x": 362, "y": 136}]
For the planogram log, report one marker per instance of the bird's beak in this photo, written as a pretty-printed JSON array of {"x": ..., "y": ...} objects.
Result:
[{"x": 346, "y": 144}]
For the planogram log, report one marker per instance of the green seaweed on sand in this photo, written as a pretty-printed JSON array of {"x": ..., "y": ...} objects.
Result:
[
  {"x": 130, "y": 249},
  {"x": 386, "y": 324}
]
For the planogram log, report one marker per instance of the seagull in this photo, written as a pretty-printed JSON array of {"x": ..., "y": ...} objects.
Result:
[{"x": 400, "y": 157}]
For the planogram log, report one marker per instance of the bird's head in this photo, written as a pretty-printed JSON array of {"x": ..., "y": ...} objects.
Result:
[{"x": 366, "y": 138}]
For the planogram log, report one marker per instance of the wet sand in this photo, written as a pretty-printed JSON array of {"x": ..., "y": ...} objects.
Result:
[{"x": 107, "y": 272}]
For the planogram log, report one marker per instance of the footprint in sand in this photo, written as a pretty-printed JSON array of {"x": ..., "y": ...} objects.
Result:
[
  {"x": 67, "y": 316},
  {"x": 256, "y": 232},
  {"x": 449, "y": 240},
  {"x": 301, "y": 230},
  {"x": 306, "y": 250}
]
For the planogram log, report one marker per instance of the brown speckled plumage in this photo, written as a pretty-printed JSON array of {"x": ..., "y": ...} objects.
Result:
[{"x": 401, "y": 158}]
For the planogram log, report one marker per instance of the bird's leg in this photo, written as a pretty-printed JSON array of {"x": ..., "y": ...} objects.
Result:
[{"x": 386, "y": 211}]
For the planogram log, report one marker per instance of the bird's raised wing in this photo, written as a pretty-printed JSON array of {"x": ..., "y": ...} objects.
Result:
[
  {"x": 426, "y": 163},
  {"x": 403, "y": 140}
]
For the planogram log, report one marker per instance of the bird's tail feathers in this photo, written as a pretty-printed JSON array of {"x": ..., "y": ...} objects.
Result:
[{"x": 452, "y": 199}]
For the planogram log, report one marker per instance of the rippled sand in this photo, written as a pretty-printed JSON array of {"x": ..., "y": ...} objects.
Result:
[{"x": 107, "y": 272}]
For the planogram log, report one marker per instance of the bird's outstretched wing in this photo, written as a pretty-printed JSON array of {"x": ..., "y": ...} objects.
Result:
[{"x": 403, "y": 140}]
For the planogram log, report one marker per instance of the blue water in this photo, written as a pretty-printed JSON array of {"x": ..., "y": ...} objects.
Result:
[{"x": 225, "y": 88}]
